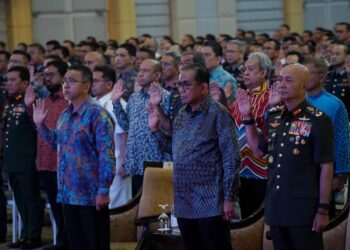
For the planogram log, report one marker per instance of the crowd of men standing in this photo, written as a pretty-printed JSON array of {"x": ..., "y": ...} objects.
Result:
[{"x": 246, "y": 118}]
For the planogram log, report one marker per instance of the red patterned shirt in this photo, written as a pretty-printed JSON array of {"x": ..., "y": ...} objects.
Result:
[
  {"x": 46, "y": 156},
  {"x": 252, "y": 167}
]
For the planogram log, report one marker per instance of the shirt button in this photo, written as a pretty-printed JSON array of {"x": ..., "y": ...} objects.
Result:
[
  {"x": 278, "y": 176},
  {"x": 287, "y": 123},
  {"x": 7, "y": 132},
  {"x": 333, "y": 92},
  {"x": 280, "y": 155},
  {"x": 284, "y": 134},
  {"x": 277, "y": 187},
  {"x": 8, "y": 125},
  {"x": 282, "y": 144},
  {"x": 278, "y": 165},
  {"x": 7, "y": 146},
  {"x": 334, "y": 86}
]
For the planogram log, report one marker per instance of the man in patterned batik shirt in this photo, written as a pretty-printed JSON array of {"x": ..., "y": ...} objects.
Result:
[
  {"x": 85, "y": 143},
  {"x": 206, "y": 162}
]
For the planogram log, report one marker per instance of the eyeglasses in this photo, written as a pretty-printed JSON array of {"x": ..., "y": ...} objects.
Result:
[
  {"x": 71, "y": 80},
  {"x": 50, "y": 75},
  {"x": 186, "y": 85},
  {"x": 99, "y": 80}
]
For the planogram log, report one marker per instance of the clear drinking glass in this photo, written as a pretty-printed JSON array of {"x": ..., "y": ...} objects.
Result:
[{"x": 163, "y": 219}]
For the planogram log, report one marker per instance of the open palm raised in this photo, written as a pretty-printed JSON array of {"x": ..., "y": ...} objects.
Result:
[{"x": 39, "y": 112}]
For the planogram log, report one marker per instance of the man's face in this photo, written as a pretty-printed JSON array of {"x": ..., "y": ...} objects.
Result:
[
  {"x": 316, "y": 77},
  {"x": 318, "y": 34},
  {"x": 186, "y": 41},
  {"x": 186, "y": 60},
  {"x": 140, "y": 57},
  {"x": 233, "y": 54},
  {"x": 3, "y": 63},
  {"x": 49, "y": 49},
  {"x": 100, "y": 86},
  {"x": 211, "y": 60},
  {"x": 123, "y": 60},
  {"x": 342, "y": 33},
  {"x": 191, "y": 92},
  {"x": 14, "y": 84},
  {"x": 291, "y": 59},
  {"x": 74, "y": 88},
  {"x": 53, "y": 80},
  {"x": 17, "y": 60},
  {"x": 169, "y": 69},
  {"x": 284, "y": 31},
  {"x": 337, "y": 56},
  {"x": 306, "y": 37},
  {"x": 147, "y": 74},
  {"x": 291, "y": 84},
  {"x": 36, "y": 56},
  {"x": 91, "y": 61},
  {"x": 269, "y": 50},
  {"x": 253, "y": 75}
]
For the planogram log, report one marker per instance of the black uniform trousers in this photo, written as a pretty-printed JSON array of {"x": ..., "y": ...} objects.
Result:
[
  {"x": 26, "y": 189},
  {"x": 296, "y": 238},
  {"x": 3, "y": 212},
  {"x": 87, "y": 228},
  {"x": 48, "y": 180},
  {"x": 211, "y": 233},
  {"x": 251, "y": 195}
]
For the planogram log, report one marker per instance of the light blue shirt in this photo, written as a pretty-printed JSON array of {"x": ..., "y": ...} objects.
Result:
[
  {"x": 336, "y": 110},
  {"x": 222, "y": 77}
]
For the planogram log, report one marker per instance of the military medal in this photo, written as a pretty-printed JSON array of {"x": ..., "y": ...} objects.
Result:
[
  {"x": 270, "y": 159},
  {"x": 291, "y": 139},
  {"x": 296, "y": 151},
  {"x": 302, "y": 141},
  {"x": 17, "y": 122}
]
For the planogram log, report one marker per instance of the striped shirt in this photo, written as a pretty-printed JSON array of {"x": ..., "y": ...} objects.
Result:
[{"x": 252, "y": 167}]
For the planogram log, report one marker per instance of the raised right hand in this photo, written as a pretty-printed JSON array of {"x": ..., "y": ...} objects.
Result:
[
  {"x": 274, "y": 96},
  {"x": 118, "y": 90},
  {"x": 244, "y": 105},
  {"x": 39, "y": 112},
  {"x": 153, "y": 117}
]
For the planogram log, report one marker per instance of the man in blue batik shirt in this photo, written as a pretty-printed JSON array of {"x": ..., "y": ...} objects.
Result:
[
  {"x": 336, "y": 110},
  {"x": 84, "y": 138},
  {"x": 141, "y": 145}
]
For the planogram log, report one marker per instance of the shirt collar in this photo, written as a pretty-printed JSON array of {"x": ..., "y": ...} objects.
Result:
[
  {"x": 80, "y": 111},
  {"x": 203, "y": 107},
  {"x": 258, "y": 90},
  {"x": 297, "y": 110},
  {"x": 104, "y": 99}
]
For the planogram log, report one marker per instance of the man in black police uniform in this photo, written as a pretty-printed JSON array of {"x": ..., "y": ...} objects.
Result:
[
  {"x": 299, "y": 142},
  {"x": 337, "y": 82},
  {"x": 19, "y": 152}
]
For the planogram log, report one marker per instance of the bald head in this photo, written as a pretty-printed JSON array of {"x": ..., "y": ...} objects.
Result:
[
  {"x": 150, "y": 71},
  {"x": 92, "y": 59},
  {"x": 292, "y": 84}
]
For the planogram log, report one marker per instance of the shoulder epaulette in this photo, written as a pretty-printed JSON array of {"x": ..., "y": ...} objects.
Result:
[{"x": 314, "y": 111}]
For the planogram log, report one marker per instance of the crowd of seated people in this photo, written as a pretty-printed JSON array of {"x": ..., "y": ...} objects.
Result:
[{"x": 124, "y": 76}]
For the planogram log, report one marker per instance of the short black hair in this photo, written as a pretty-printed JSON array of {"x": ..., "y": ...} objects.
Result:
[
  {"x": 24, "y": 45},
  {"x": 23, "y": 72},
  {"x": 70, "y": 42},
  {"x": 202, "y": 73},
  {"x": 61, "y": 67},
  {"x": 6, "y": 54},
  {"x": 85, "y": 72},
  {"x": 108, "y": 72},
  {"x": 151, "y": 54},
  {"x": 277, "y": 43},
  {"x": 169, "y": 39},
  {"x": 53, "y": 57},
  {"x": 38, "y": 46},
  {"x": 130, "y": 48},
  {"x": 216, "y": 47},
  {"x": 300, "y": 56},
  {"x": 54, "y": 43},
  {"x": 3, "y": 44},
  {"x": 23, "y": 53},
  {"x": 347, "y": 25},
  {"x": 309, "y": 32},
  {"x": 64, "y": 50},
  {"x": 285, "y": 26}
]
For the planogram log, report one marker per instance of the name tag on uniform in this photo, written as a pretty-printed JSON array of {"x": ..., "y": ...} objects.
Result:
[{"x": 300, "y": 128}]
